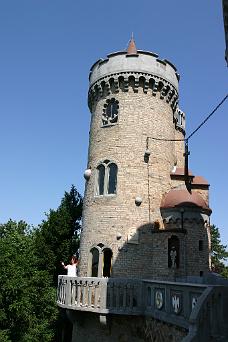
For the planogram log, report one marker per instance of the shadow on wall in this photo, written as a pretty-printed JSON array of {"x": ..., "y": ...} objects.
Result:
[{"x": 179, "y": 249}]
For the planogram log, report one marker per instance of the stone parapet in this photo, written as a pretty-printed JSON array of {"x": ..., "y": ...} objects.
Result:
[
  {"x": 197, "y": 308},
  {"x": 143, "y": 62},
  {"x": 145, "y": 69}
]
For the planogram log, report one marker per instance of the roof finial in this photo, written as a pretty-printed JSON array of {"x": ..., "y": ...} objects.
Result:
[{"x": 131, "y": 50}]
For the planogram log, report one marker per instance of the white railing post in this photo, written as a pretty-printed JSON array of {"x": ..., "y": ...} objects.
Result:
[
  {"x": 90, "y": 291},
  {"x": 96, "y": 295},
  {"x": 103, "y": 294},
  {"x": 78, "y": 293},
  {"x": 84, "y": 294},
  {"x": 73, "y": 292},
  {"x": 68, "y": 292}
]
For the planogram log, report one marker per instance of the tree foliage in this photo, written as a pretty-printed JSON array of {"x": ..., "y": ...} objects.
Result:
[
  {"x": 29, "y": 264},
  {"x": 58, "y": 236},
  {"x": 27, "y": 300},
  {"x": 219, "y": 253}
]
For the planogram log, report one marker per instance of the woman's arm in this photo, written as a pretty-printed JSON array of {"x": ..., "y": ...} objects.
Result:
[{"x": 64, "y": 266}]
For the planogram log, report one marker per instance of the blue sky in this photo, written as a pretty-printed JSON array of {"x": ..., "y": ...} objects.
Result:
[{"x": 47, "y": 49}]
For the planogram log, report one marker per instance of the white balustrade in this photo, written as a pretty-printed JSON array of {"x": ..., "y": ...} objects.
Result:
[
  {"x": 193, "y": 307},
  {"x": 99, "y": 294}
]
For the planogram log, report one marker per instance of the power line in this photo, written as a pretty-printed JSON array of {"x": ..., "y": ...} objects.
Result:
[{"x": 208, "y": 117}]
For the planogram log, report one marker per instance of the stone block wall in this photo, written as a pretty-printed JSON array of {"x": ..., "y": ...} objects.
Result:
[
  {"x": 124, "y": 329},
  {"x": 140, "y": 116}
]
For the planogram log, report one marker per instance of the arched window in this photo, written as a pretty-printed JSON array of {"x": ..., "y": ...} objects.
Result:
[
  {"x": 112, "y": 178},
  {"x": 95, "y": 262},
  {"x": 100, "y": 179},
  {"x": 100, "y": 261},
  {"x": 106, "y": 178}
]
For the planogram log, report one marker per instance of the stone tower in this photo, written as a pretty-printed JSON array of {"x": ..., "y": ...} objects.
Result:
[
  {"x": 139, "y": 219},
  {"x": 144, "y": 271}
]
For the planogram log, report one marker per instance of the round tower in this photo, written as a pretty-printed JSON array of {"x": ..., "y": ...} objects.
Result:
[{"x": 135, "y": 120}]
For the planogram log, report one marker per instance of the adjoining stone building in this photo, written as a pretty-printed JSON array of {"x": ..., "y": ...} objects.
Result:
[
  {"x": 144, "y": 253},
  {"x": 225, "y": 17}
]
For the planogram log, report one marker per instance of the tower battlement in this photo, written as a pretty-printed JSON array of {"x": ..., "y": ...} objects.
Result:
[{"x": 138, "y": 69}]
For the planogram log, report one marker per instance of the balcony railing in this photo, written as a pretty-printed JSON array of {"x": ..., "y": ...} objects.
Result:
[
  {"x": 103, "y": 295},
  {"x": 169, "y": 301},
  {"x": 200, "y": 309}
]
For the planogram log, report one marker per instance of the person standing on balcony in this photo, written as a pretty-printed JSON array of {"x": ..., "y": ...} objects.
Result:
[{"x": 72, "y": 267}]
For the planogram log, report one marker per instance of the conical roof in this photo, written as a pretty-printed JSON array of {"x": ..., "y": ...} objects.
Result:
[{"x": 131, "y": 49}]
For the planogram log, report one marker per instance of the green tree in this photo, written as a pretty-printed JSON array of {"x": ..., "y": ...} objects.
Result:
[
  {"x": 58, "y": 236},
  {"x": 27, "y": 300},
  {"x": 219, "y": 253}
]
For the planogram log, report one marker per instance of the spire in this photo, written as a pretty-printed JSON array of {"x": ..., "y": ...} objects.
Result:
[{"x": 131, "y": 50}]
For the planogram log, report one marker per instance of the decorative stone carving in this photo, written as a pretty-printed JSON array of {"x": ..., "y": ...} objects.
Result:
[
  {"x": 159, "y": 300},
  {"x": 176, "y": 303},
  {"x": 194, "y": 302}
]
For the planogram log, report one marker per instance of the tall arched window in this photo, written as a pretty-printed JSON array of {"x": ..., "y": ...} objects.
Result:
[
  {"x": 106, "y": 178},
  {"x": 112, "y": 178},
  {"x": 95, "y": 262},
  {"x": 100, "y": 261},
  {"x": 100, "y": 179}
]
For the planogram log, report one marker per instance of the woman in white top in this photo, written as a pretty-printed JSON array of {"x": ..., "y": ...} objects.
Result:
[{"x": 72, "y": 267}]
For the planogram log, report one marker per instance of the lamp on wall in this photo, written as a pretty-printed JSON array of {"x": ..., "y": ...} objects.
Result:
[{"x": 87, "y": 174}]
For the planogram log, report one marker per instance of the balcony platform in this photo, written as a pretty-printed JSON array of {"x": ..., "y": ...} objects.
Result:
[{"x": 194, "y": 307}]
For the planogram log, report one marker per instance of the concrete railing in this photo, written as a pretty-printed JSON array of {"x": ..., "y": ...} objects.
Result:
[
  {"x": 207, "y": 321},
  {"x": 199, "y": 309},
  {"x": 168, "y": 301},
  {"x": 171, "y": 302},
  {"x": 102, "y": 295}
]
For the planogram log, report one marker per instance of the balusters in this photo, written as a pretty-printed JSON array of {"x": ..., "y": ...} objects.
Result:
[
  {"x": 110, "y": 290},
  {"x": 96, "y": 295},
  {"x": 124, "y": 296},
  {"x": 130, "y": 293},
  {"x": 90, "y": 292},
  {"x": 73, "y": 292},
  {"x": 78, "y": 293},
  {"x": 117, "y": 292},
  {"x": 68, "y": 292},
  {"x": 103, "y": 295},
  {"x": 84, "y": 294}
]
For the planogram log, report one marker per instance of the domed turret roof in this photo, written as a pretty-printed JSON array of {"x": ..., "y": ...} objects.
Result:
[{"x": 177, "y": 198}]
